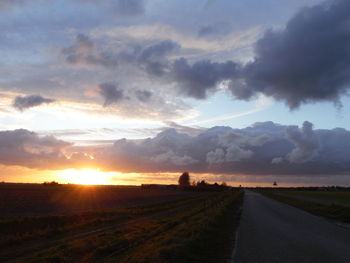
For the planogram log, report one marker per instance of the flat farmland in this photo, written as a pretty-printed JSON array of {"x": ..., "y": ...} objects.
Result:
[
  {"x": 147, "y": 225},
  {"x": 35, "y": 199},
  {"x": 323, "y": 197}
]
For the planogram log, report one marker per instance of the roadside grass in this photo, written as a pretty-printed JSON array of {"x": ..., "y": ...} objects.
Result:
[
  {"x": 198, "y": 230},
  {"x": 341, "y": 198},
  {"x": 319, "y": 203}
]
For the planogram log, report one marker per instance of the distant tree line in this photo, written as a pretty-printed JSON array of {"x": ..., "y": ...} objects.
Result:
[
  {"x": 185, "y": 184},
  {"x": 51, "y": 183}
]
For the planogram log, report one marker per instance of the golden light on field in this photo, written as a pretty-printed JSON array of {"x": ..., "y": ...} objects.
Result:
[{"x": 85, "y": 176}]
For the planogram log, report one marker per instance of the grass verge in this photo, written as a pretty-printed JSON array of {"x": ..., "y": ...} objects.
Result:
[{"x": 331, "y": 211}]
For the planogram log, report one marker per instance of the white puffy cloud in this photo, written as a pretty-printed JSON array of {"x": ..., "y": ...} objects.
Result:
[
  {"x": 236, "y": 153},
  {"x": 277, "y": 160},
  {"x": 217, "y": 156},
  {"x": 305, "y": 142}
]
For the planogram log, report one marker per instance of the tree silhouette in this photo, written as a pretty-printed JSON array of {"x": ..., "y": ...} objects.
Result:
[{"x": 184, "y": 180}]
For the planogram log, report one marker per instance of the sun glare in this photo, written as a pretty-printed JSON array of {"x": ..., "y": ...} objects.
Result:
[{"x": 85, "y": 176}]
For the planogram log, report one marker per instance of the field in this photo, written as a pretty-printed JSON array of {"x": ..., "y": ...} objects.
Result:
[
  {"x": 36, "y": 199},
  {"x": 341, "y": 198},
  {"x": 116, "y": 224},
  {"x": 334, "y": 205}
]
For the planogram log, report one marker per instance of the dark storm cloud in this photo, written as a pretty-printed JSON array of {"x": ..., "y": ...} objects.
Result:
[
  {"x": 110, "y": 93},
  {"x": 308, "y": 61},
  {"x": 262, "y": 149},
  {"x": 153, "y": 58},
  {"x": 30, "y": 101},
  {"x": 202, "y": 77}
]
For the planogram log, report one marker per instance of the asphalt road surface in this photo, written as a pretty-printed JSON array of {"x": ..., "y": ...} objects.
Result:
[{"x": 271, "y": 231}]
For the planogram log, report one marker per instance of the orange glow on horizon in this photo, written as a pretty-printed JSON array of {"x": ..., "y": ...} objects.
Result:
[
  {"x": 85, "y": 176},
  {"x": 96, "y": 176}
]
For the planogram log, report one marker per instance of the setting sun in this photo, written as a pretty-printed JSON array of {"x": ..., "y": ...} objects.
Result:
[{"x": 85, "y": 176}]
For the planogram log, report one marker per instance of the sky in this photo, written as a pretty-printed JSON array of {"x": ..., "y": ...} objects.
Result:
[{"x": 135, "y": 91}]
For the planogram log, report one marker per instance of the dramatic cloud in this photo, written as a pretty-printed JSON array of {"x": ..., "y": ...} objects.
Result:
[
  {"x": 196, "y": 80},
  {"x": 305, "y": 141},
  {"x": 262, "y": 149},
  {"x": 110, "y": 93},
  {"x": 25, "y": 148},
  {"x": 161, "y": 53},
  {"x": 308, "y": 61},
  {"x": 153, "y": 58},
  {"x": 150, "y": 58},
  {"x": 30, "y": 101}
]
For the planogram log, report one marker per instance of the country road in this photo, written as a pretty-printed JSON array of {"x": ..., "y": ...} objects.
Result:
[{"x": 271, "y": 231}]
